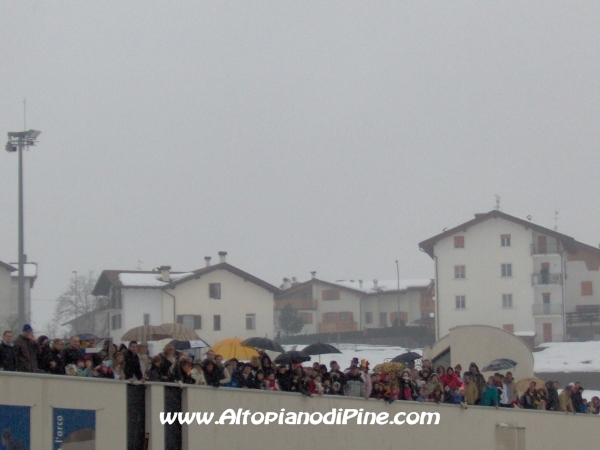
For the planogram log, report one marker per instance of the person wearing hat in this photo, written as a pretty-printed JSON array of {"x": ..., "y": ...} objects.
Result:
[
  {"x": 564, "y": 400},
  {"x": 26, "y": 348}
]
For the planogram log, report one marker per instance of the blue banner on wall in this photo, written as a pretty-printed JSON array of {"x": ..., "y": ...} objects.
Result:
[
  {"x": 74, "y": 429},
  {"x": 14, "y": 427}
]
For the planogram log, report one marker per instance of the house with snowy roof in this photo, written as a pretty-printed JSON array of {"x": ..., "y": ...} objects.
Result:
[
  {"x": 511, "y": 273},
  {"x": 351, "y": 305},
  {"x": 218, "y": 301}
]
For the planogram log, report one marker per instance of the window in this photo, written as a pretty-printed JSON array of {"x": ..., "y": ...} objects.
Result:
[
  {"x": 346, "y": 316},
  {"x": 217, "y": 323},
  {"x": 330, "y": 317},
  {"x": 546, "y": 298},
  {"x": 331, "y": 294},
  {"x": 190, "y": 320},
  {"x": 307, "y": 318},
  {"x": 146, "y": 319},
  {"x": 115, "y": 322},
  {"x": 214, "y": 290},
  {"x": 383, "y": 319},
  {"x": 115, "y": 299},
  {"x": 459, "y": 242},
  {"x": 507, "y": 300},
  {"x": 369, "y": 318},
  {"x": 250, "y": 321},
  {"x": 459, "y": 271},
  {"x": 509, "y": 327},
  {"x": 505, "y": 240},
  {"x": 507, "y": 270},
  {"x": 460, "y": 302},
  {"x": 587, "y": 288}
]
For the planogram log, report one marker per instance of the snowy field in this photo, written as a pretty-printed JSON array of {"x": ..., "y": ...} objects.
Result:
[
  {"x": 375, "y": 354},
  {"x": 568, "y": 357}
]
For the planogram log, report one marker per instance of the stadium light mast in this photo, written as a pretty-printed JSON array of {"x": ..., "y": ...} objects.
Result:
[{"x": 16, "y": 141}]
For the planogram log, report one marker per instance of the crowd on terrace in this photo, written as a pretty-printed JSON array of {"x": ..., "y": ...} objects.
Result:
[{"x": 442, "y": 385}]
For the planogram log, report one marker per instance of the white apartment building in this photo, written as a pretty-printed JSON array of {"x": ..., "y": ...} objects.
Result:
[
  {"x": 351, "y": 305},
  {"x": 9, "y": 293},
  {"x": 510, "y": 273},
  {"x": 218, "y": 301}
]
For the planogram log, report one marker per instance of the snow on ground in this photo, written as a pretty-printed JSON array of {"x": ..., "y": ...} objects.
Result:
[
  {"x": 568, "y": 357},
  {"x": 375, "y": 354}
]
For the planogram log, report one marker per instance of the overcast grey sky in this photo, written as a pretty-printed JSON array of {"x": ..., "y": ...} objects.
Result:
[{"x": 327, "y": 136}]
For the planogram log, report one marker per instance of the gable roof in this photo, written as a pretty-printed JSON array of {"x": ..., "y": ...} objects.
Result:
[
  {"x": 139, "y": 279},
  {"x": 367, "y": 286},
  {"x": 7, "y": 267},
  {"x": 229, "y": 268},
  {"x": 569, "y": 243}
]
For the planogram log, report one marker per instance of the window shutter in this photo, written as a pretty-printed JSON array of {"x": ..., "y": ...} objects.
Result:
[
  {"x": 459, "y": 241},
  {"x": 179, "y": 319},
  {"x": 197, "y": 322},
  {"x": 586, "y": 288}
]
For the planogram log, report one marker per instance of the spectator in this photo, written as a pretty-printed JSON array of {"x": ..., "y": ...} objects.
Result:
[
  {"x": 470, "y": 389},
  {"x": 284, "y": 379},
  {"x": 552, "y": 403},
  {"x": 440, "y": 371},
  {"x": 473, "y": 369},
  {"x": 57, "y": 364},
  {"x": 118, "y": 366},
  {"x": 354, "y": 385},
  {"x": 490, "y": 395},
  {"x": 335, "y": 374},
  {"x": 88, "y": 369},
  {"x": 8, "y": 354},
  {"x": 421, "y": 395},
  {"x": 44, "y": 355},
  {"x": 480, "y": 383},
  {"x": 72, "y": 353},
  {"x": 142, "y": 352},
  {"x": 244, "y": 378},
  {"x": 26, "y": 349},
  {"x": 530, "y": 399},
  {"x": 576, "y": 395},
  {"x": 510, "y": 394},
  {"x": 71, "y": 370},
  {"x": 564, "y": 401},
  {"x": 153, "y": 372},
  {"x": 456, "y": 398},
  {"x": 450, "y": 379},
  {"x": 132, "y": 369},
  {"x": 168, "y": 358},
  {"x": 184, "y": 374},
  {"x": 212, "y": 376},
  {"x": 457, "y": 371},
  {"x": 210, "y": 355},
  {"x": 434, "y": 381},
  {"x": 266, "y": 365},
  {"x": 10, "y": 443},
  {"x": 198, "y": 373}
]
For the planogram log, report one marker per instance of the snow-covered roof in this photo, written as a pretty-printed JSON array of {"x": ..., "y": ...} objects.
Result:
[
  {"x": 524, "y": 333},
  {"x": 384, "y": 285},
  {"x": 29, "y": 270},
  {"x": 150, "y": 280}
]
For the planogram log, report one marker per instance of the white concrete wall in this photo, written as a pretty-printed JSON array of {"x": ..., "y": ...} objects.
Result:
[
  {"x": 483, "y": 286},
  {"x": 576, "y": 273},
  {"x": 348, "y": 302},
  {"x": 7, "y": 305},
  {"x": 135, "y": 303},
  {"x": 44, "y": 392},
  {"x": 238, "y": 298}
]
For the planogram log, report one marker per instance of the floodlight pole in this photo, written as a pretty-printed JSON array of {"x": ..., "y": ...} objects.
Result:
[
  {"x": 16, "y": 142},
  {"x": 21, "y": 240}
]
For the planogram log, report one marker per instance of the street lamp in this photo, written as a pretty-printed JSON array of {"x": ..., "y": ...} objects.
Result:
[{"x": 16, "y": 141}]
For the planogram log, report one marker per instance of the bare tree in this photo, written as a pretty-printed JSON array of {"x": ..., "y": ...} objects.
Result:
[
  {"x": 10, "y": 322},
  {"x": 77, "y": 302}
]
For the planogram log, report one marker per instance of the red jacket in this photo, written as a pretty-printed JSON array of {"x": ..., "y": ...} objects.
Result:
[{"x": 451, "y": 380}]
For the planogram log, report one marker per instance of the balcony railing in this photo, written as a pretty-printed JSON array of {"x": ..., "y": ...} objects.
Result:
[
  {"x": 547, "y": 309},
  {"x": 546, "y": 278},
  {"x": 545, "y": 249},
  {"x": 297, "y": 303},
  {"x": 584, "y": 314},
  {"x": 335, "y": 327}
]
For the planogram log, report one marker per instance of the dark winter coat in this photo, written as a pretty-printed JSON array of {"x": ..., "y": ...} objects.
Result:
[
  {"x": 212, "y": 378},
  {"x": 8, "y": 357},
  {"x": 27, "y": 351},
  {"x": 132, "y": 368},
  {"x": 552, "y": 404},
  {"x": 44, "y": 356},
  {"x": 56, "y": 356},
  {"x": 577, "y": 400},
  {"x": 71, "y": 355}
]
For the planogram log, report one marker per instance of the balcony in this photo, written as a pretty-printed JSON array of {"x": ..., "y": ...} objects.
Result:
[
  {"x": 545, "y": 249},
  {"x": 337, "y": 327},
  {"x": 545, "y": 278},
  {"x": 297, "y": 303},
  {"x": 547, "y": 309}
]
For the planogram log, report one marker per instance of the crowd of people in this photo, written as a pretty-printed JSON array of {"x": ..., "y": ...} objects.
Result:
[{"x": 423, "y": 384}]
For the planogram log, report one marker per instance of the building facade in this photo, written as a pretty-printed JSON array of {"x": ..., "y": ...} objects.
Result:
[{"x": 510, "y": 273}]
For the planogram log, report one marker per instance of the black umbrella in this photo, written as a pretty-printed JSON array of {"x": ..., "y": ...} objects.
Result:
[
  {"x": 263, "y": 343},
  {"x": 499, "y": 364},
  {"x": 406, "y": 357},
  {"x": 292, "y": 357},
  {"x": 187, "y": 345},
  {"x": 320, "y": 349}
]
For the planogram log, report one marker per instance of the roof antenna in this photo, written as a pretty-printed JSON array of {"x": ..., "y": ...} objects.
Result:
[
  {"x": 497, "y": 207},
  {"x": 556, "y": 220}
]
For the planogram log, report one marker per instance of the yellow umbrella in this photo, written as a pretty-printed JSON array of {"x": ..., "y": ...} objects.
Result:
[{"x": 232, "y": 348}]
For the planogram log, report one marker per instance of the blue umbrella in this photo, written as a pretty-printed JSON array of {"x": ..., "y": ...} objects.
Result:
[{"x": 499, "y": 364}]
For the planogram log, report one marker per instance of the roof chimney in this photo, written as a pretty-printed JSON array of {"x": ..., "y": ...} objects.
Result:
[
  {"x": 360, "y": 284},
  {"x": 165, "y": 273},
  {"x": 375, "y": 284},
  {"x": 207, "y": 260},
  {"x": 286, "y": 284},
  {"x": 222, "y": 256},
  {"x": 314, "y": 274},
  {"x": 294, "y": 280}
]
